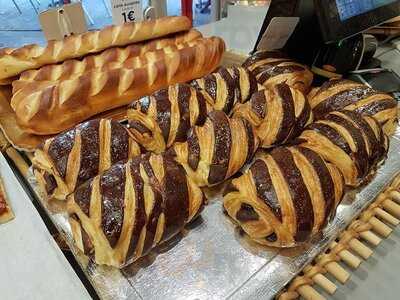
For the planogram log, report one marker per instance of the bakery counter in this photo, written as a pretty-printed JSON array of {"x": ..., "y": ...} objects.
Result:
[
  {"x": 33, "y": 266},
  {"x": 154, "y": 203}
]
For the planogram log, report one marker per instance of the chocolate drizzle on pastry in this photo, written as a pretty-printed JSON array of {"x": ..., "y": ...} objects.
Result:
[
  {"x": 276, "y": 127},
  {"x": 332, "y": 135},
  {"x": 144, "y": 202},
  {"x": 140, "y": 214},
  {"x": 184, "y": 94},
  {"x": 360, "y": 154},
  {"x": 119, "y": 150},
  {"x": 251, "y": 140},
  {"x": 288, "y": 112},
  {"x": 227, "y": 86},
  {"x": 275, "y": 71},
  {"x": 246, "y": 213},
  {"x": 262, "y": 55},
  {"x": 265, "y": 189},
  {"x": 82, "y": 197},
  {"x": 175, "y": 110},
  {"x": 274, "y": 67},
  {"x": 194, "y": 149},
  {"x": 112, "y": 190},
  {"x": 222, "y": 147},
  {"x": 288, "y": 211},
  {"x": 298, "y": 191},
  {"x": 59, "y": 150},
  {"x": 140, "y": 127},
  {"x": 377, "y": 106},
  {"x": 90, "y": 151},
  {"x": 326, "y": 182},
  {"x": 163, "y": 112},
  {"x": 342, "y": 99},
  {"x": 339, "y": 94},
  {"x": 272, "y": 237},
  {"x": 258, "y": 104},
  {"x": 51, "y": 182},
  {"x": 360, "y": 142},
  {"x": 81, "y": 154},
  {"x": 176, "y": 199},
  {"x": 217, "y": 150}
]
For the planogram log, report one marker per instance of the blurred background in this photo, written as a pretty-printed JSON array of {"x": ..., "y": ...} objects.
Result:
[{"x": 19, "y": 23}]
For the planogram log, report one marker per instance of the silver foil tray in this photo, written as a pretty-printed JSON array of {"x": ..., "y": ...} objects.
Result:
[{"x": 211, "y": 259}]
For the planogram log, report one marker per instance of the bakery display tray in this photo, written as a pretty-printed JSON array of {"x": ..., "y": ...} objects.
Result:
[{"x": 212, "y": 259}]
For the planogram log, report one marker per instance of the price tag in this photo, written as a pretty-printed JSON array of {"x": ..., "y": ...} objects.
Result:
[
  {"x": 126, "y": 11},
  {"x": 278, "y": 33}
]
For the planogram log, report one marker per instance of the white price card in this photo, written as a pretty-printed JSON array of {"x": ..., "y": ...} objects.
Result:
[
  {"x": 126, "y": 11},
  {"x": 278, "y": 33}
]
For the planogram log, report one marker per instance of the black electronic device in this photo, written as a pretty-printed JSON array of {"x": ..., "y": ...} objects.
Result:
[
  {"x": 325, "y": 22},
  {"x": 340, "y": 19},
  {"x": 380, "y": 79}
]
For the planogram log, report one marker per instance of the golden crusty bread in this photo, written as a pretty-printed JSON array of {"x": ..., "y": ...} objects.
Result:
[
  {"x": 23, "y": 88},
  {"x": 15, "y": 61},
  {"x": 75, "y": 67},
  {"x": 53, "y": 108}
]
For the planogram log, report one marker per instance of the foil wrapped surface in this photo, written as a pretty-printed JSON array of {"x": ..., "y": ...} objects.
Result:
[{"x": 212, "y": 259}]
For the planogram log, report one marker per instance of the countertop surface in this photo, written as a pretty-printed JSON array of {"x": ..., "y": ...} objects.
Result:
[{"x": 32, "y": 265}]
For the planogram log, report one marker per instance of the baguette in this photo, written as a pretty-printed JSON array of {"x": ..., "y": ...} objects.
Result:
[
  {"x": 63, "y": 104},
  {"x": 75, "y": 67},
  {"x": 26, "y": 87},
  {"x": 15, "y": 61}
]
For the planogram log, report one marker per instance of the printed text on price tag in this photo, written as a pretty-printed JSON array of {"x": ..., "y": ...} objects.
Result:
[{"x": 126, "y": 11}]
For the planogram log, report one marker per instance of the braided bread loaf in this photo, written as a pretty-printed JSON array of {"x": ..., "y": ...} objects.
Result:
[
  {"x": 119, "y": 55},
  {"x": 122, "y": 214},
  {"x": 285, "y": 197},
  {"x": 279, "y": 114},
  {"x": 160, "y": 120},
  {"x": 338, "y": 94},
  {"x": 24, "y": 88},
  {"x": 15, "y": 61},
  {"x": 273, "y": 67},
  {"x": 228, "y": 86},
  {"x": 217, "y": 150},
  {"x": 352, "y": 142},
  {"x": 65, "y": 103},
  {"x": 66, "y": 161}
]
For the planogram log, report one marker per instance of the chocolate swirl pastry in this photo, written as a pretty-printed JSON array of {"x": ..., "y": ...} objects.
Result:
[
  {"x": 286, "y": 196},
  {"x": 217, "y": 150},
  {"x": 279, "y": 114},
  {"x": 228, "y": 86},
  {"x": 160, "y": 120},
  {"x": 338, "y": 94},
  {"x": 352, "y": 142},
  {"x": 119, "y": 216},
  {"x": 273, "y": 67},
  {"x": 67, "y": 160}
]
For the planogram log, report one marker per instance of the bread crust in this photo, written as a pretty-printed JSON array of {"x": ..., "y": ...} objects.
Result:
[
  {"x": 52, "y": 107},
  {"x": 14, "y": 61}
]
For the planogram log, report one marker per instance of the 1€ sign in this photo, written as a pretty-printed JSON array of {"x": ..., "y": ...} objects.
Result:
[{"x": 126, "y": 11}]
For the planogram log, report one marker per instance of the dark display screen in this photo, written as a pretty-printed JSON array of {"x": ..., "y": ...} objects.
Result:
[{"x": 351, "y": 8}]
